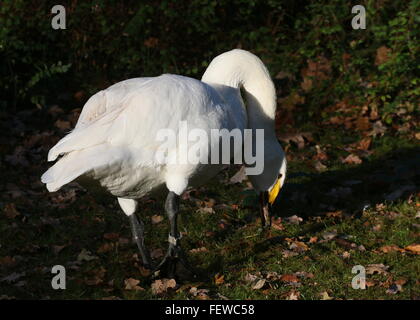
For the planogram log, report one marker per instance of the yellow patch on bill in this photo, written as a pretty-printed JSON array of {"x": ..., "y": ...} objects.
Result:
[{"x": 274, "y": 192}]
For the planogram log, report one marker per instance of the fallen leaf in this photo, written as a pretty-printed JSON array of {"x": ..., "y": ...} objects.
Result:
[
  {"x": 162, "y": 285},
  {"x": 57, "y": 249},
  {"x": 111, "y": 236},
  {"x": 293, "y": 295},
  {"x": 156, "y": 219},
  {"x": 325, "y": 296},
  {"x": 197, "y": 250},
  {"x": 132, "y": 284},
  {"x": 289, "y": 278},
  {"x": 156, "y": 253},
  {"x": 106, "y": 247},
  {"x": 378, "y": 268},
  {"x": 85, "y": 255},
  {"x": 259, "y": 285},
  {"x": 10, "y": 211},
  {"x": 414, "y": 248},
  {"x": 289, "y": 253},
  {"x": 63, "y": 125},
  {"x": 219, "y": 279},
  {"x": 298, "y": 246},
  {"x": 329, "y": 235},
  {"x": 7, "y": 261},
  {"x": 382, "y": 55},
  {"x": 352, "y": 159},
  {"x": 319, "y": 166},
  {"x": 13, "y": 277},
  {"x": 293, "y": 219},
  {"x": 390, "y": 248},
  {"x": 239, "y": 176},
  {"x": 201, "y": 294}
]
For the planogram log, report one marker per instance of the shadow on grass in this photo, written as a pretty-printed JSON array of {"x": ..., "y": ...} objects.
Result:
[{"x": 349, "y": 190}]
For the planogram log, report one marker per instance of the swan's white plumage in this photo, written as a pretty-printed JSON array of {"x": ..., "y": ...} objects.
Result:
[{"x": 114, "y": 140}]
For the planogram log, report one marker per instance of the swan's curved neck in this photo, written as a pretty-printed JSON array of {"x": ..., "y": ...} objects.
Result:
[{"x": 241, "y": 69}]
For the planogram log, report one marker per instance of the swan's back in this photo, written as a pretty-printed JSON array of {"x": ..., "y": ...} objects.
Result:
[{"x": 118, "y": 127}]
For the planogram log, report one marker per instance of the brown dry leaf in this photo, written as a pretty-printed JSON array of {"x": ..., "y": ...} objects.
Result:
[
  {"x": 277, "y": 224},
  {"x": 378, "y": 129},
  {"x": 382, "y": 55},
  {"x": 329, "y": 235},
  {"x": 197, "y": 250},
  {"x": 111, "y": 236},
  {"x": 293, "y": 219},
  {"x": 106, "y": 247},
  {"x": 219, "y": 279},
  {"x": 363, "y": 124},
  {"x": 10, "y": 211},
  {"x": 163, "y": 285},
  {"x": 297, "y": 138},
  {"x": 111, "y": 298},
  {"x": 205, "y": 210},
  {"x": 201, "y": 294},
  {"x": 376, "y": 268},
  {"x": 325, "y": 296},
  {"x": 288, "y": 253},
  {"x": 293, "y": 295},
  {"x": 238, "y": 177},
  {"x": 352, "y": 159},
  {"x": 259, "y": 285},
  {"x": 390, "y": 248},
  {"x": 7, "y": 261},
  {"x": 57, "y": 249},
  {"x": 289, "y": 278},
  {"x": 313, "y": 239},
  {"x": 85, "y": 255},
  {"x": 318, "y": 69},
  {"x": 364, "y": 144},
  {"x": 156, "y": 219},
  {"x": 298, "y": 246},
  {"x": 319, "y": 166},
  {"x": 63, "y": 125},
  {"x": 306, "y": 84},
  {"x": 132, "y": 284},
  {"x": 290, "y": 102},
  {"x": 413, "y": 248},
  {"x": 370, "y": 283},
  {"x": 151, "y": 42},
  {"x": 156, "y": 253}
]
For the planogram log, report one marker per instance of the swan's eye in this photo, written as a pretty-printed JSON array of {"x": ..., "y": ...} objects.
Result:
[{"x": 273, "y": 193}]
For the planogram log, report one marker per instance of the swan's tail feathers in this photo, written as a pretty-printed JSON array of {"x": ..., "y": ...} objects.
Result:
[
  {"x": 77, "y": 163},
  {"x": 65, "y": 170},
  {"x": 83, "y": 137}
]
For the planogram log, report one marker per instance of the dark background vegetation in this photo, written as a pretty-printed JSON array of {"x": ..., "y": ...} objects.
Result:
[{"x": 347, "y": 117}]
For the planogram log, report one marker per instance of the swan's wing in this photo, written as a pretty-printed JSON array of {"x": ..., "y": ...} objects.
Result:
[
  {"x": 108, "y": 99},
  {"x": 134, "y": 114}
]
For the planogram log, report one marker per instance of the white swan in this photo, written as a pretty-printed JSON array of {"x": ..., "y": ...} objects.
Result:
[{"x": 115, "y": 142}]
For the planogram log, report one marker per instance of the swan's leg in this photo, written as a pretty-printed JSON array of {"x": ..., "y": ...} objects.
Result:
[
  {"x": 129, "y": 207},
  {"x": 175, "y": 254}
]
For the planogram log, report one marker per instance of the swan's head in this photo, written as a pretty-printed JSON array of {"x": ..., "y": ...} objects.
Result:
[{"x": 269, "y": 183}]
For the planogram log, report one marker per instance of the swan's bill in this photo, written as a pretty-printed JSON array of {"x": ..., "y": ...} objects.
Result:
[{"x": 272, "y": 195}]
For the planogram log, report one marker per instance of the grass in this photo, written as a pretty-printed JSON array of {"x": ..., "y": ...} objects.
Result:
[{"x": 53, "y": 229}]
